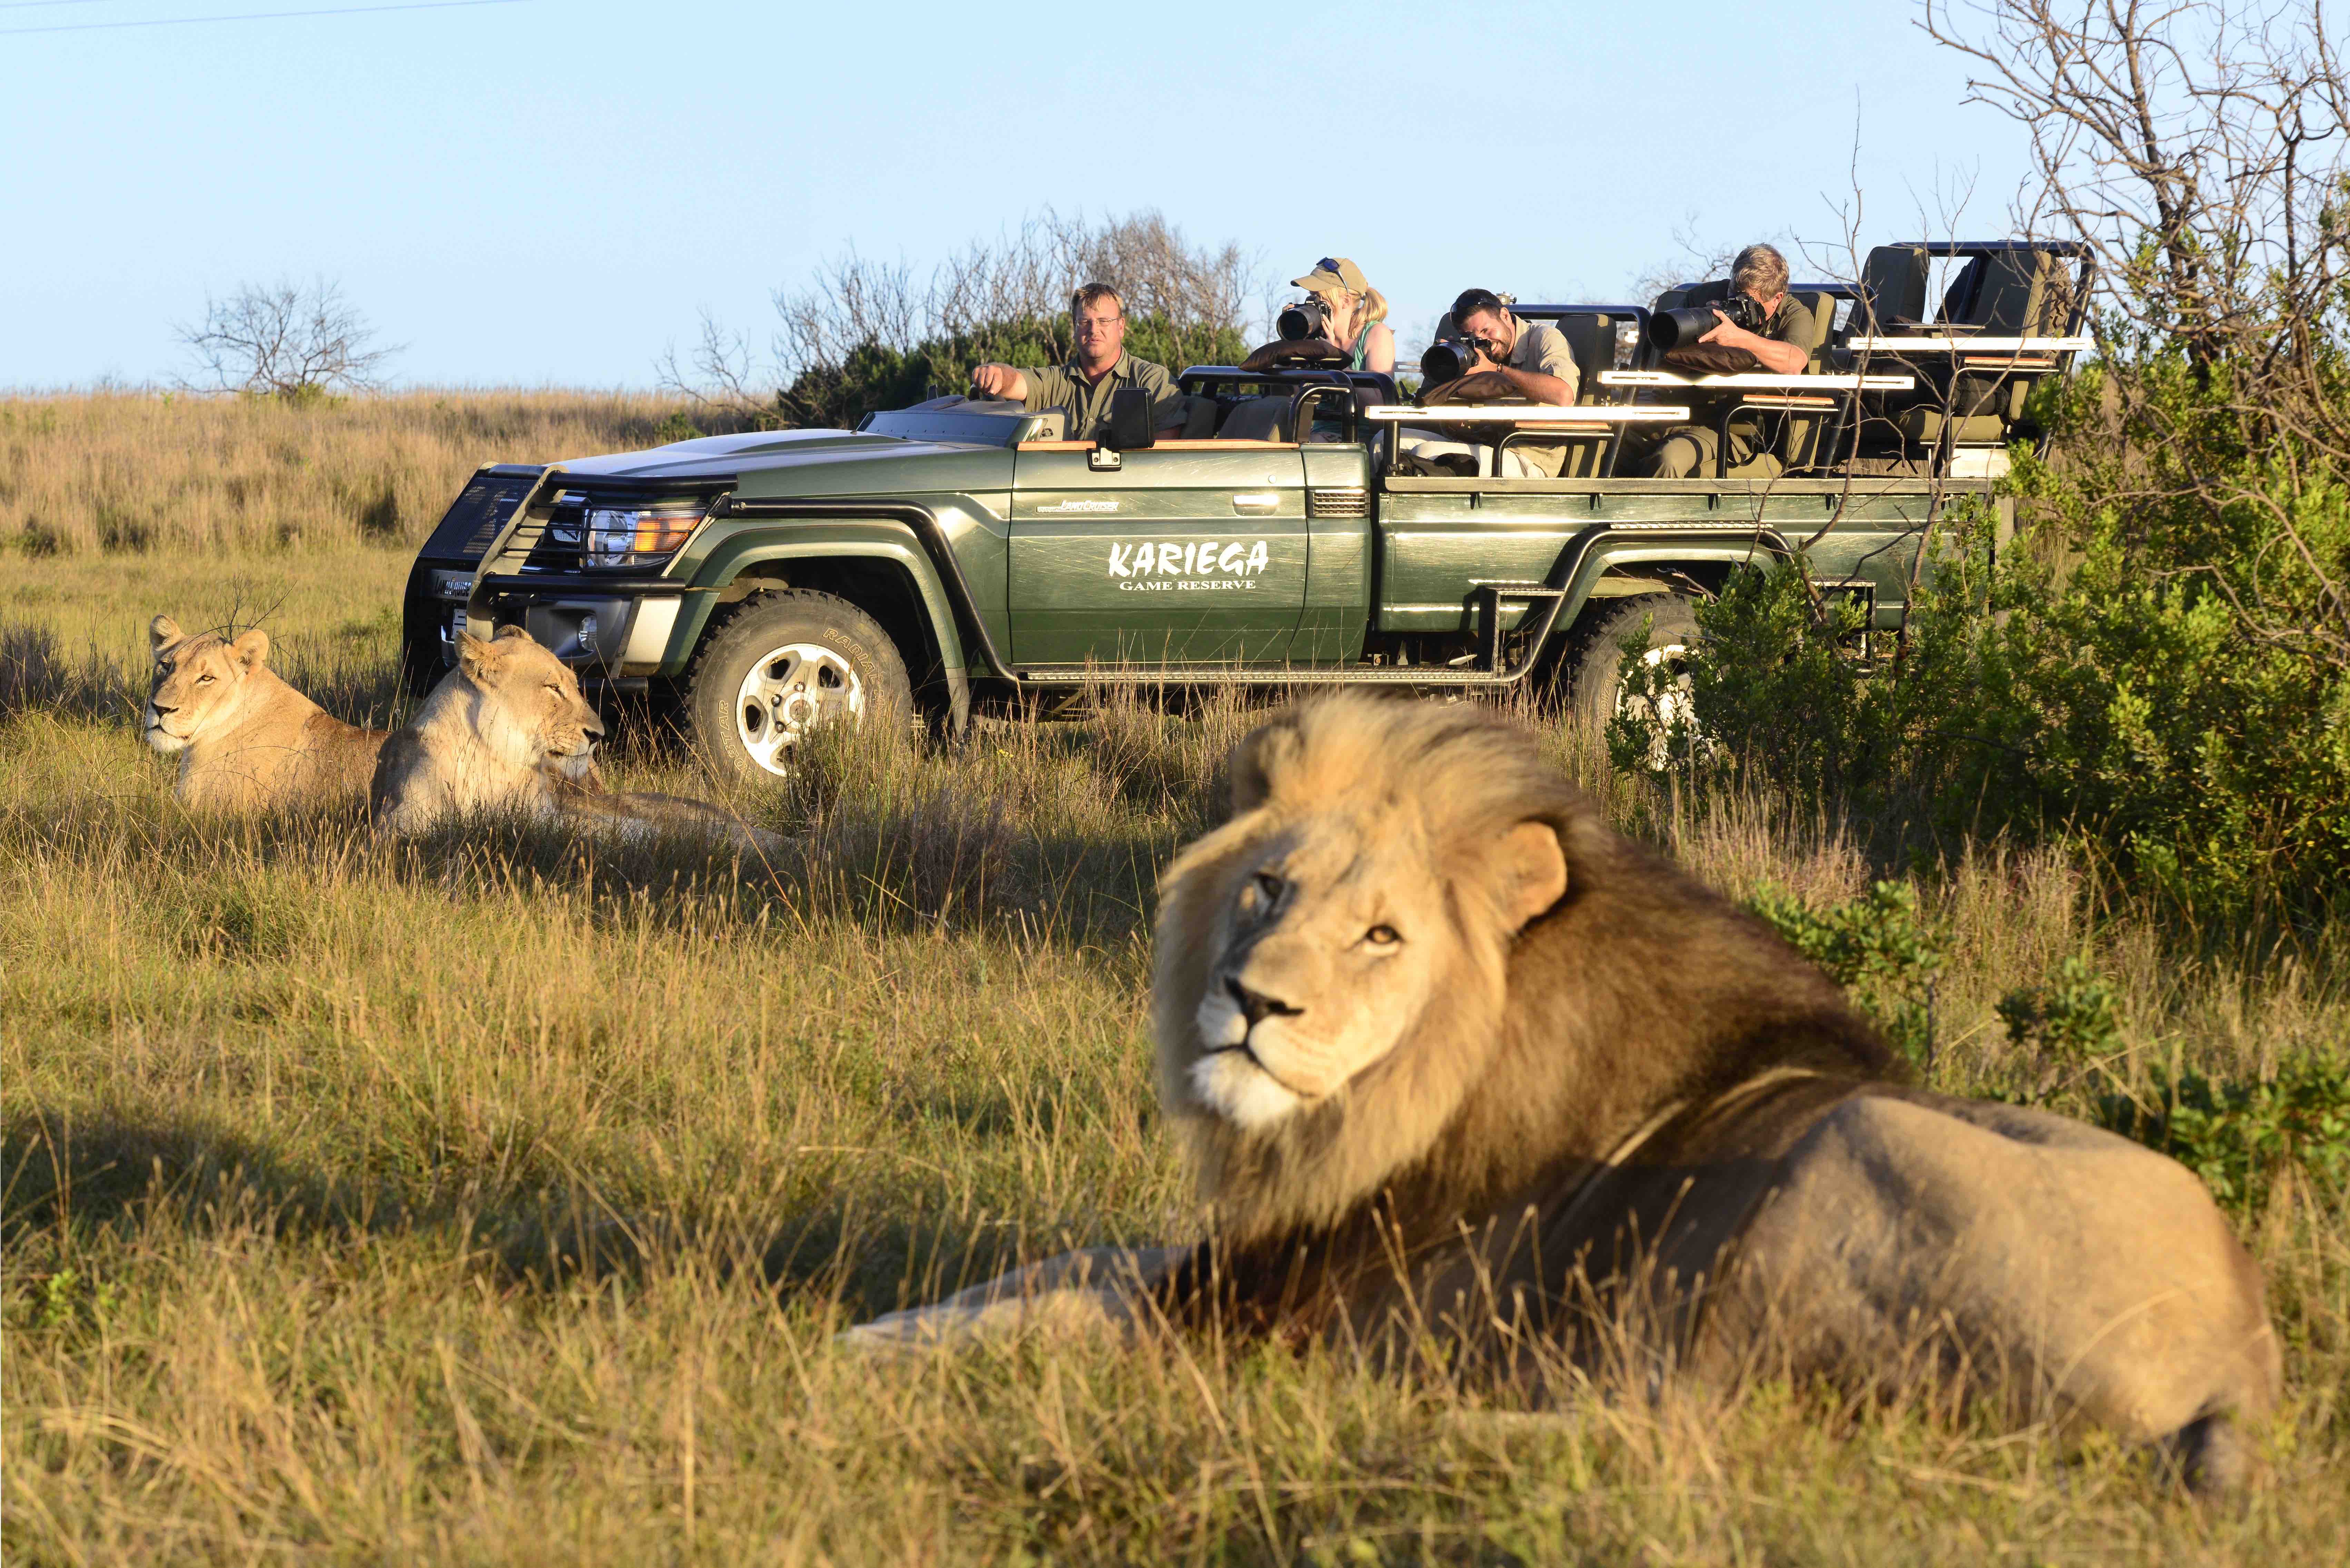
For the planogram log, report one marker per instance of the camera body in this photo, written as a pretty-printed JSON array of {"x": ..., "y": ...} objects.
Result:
[
  {"x": 1310, "y": 318},
  {"x": 1674, "y": 328}
]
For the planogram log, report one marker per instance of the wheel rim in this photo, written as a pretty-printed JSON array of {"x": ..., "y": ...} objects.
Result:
[
  {"x": 1661, "y": 704},
  {"x": 789, "y": 691}
]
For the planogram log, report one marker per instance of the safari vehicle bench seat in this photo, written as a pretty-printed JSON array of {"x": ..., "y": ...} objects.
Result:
[
  {"x": 1257, "y": 419},
  {"x": 2000, "y": 293}
]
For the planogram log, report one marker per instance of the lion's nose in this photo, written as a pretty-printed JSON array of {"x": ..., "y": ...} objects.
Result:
[
  {"x": 595, "y": 726},
  {"x": 1256, "y": 1006},
  {"x": 159, "y": 710}
]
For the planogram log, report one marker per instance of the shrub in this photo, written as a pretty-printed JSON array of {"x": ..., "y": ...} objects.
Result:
[
  {"x": 2243, "y": 1137},
  {"x": 1879, "y": 947}
]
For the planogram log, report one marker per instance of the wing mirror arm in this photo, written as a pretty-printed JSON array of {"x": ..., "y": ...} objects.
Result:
[{"x": 1129, "y": 428}]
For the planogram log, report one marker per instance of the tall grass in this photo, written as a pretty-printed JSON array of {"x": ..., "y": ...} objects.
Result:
[
  {"x": 497, "y": 1198},
  {"x": 137, "y": 472}
]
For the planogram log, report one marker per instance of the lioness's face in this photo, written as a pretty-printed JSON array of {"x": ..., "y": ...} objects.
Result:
[
  {"x": 1337, "y": 934},
  {"x": 532, "y": 712},
  {"x": 195, "y": 680}
]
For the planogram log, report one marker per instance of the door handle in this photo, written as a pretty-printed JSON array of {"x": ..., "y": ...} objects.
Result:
[{"x": 1255, "y": 500}]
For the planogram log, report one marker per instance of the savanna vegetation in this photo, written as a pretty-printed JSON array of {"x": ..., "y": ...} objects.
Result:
[{"x": 499, "y": 1197}]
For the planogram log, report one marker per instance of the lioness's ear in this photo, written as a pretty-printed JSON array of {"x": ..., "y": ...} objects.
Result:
[
  {"x": 252, "y": 650},
  {"x": 1528, "y": 872},
  {"x": 471, "y": 654},
  {"x": 506, "y": 631},
  {"x": 161, "y": 633}
]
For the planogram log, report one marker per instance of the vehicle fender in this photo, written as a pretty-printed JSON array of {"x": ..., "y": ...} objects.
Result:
[
  {"x": 753, "y": 545},
  {"x": 1744, "y": 546}
]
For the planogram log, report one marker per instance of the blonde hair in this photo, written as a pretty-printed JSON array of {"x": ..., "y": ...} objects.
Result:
[{"x": 1374, "y": 303}]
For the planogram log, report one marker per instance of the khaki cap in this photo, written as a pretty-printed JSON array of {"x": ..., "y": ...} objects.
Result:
[{"x": 1333, "y": 272}]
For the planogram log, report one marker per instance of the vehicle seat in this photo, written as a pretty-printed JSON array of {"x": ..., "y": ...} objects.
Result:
[
  {"x": 1257, "y": 419},
  {"x": 1199, "y": 418},
  {"x": 1892, "y": 291}
]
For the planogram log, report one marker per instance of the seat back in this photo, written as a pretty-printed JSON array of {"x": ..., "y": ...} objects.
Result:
[
  {"x": 1257, "y": 419},
  {"x": 1800, "y": 435},
  {"x": 1892, "y": 289}
]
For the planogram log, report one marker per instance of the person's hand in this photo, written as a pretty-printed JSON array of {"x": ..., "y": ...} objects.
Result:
[
  {"x": 1484, "y": 360},
  {"x": 994, "y": 380},
  {"x": 1728, "y": 332}
]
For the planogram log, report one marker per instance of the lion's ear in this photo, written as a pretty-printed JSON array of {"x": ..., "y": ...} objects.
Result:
[
  {"x": 472, "y": 653},
  {"x": 161, "y": 633},
  {"x": 510, "y": 631},
  {"x": 1528, "y": 872},
  {"x": 252, "y": 650}
]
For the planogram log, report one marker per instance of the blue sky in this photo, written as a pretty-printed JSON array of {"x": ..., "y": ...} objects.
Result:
[{"x": 551, "y": 192}]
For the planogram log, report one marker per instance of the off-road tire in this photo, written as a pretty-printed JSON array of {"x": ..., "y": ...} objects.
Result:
[
  {"x": 1596, "y": 664},
  {"x": 819, "y": 659}
]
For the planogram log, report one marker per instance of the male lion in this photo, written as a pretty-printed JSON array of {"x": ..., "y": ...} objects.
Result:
[
  {"x": 507, "y": 730},
  {"x": 1455, "y": 1062},
  {"x": 244, "y": 739}
]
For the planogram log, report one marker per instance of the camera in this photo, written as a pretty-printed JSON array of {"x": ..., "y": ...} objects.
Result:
[
  {"x": 1310, "y": 319},
  {"x": 1446, "y": 359},
  {"x": 1674, "y": 328}
]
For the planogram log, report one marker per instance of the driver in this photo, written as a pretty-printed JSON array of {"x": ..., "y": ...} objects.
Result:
[{"x": 1097, "y": 367}]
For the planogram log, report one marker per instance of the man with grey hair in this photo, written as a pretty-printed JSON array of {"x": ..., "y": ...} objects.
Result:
[
  {"x": 1097, "y": 367},
  {"x": 1783, "y": 347}
]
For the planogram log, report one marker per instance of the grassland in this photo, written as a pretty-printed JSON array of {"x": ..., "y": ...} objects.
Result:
[{"x": 498, "y": 1201}]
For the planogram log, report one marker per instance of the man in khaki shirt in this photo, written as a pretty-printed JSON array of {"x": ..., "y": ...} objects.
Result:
[
  {"x": 1531, "y": 357},
  {"x": 1783, "y": 347},
  {"x": 1099, "y": 367}
]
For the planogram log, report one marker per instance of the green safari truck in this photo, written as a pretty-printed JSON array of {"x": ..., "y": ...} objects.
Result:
[{"x": 963, "y": 556}]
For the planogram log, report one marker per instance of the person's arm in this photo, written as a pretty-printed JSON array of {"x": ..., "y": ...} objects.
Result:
[
  {"x": 1000, "y": 381},
  {"x": 1535, "y": 386},
  {"x": 1779, "y": 358},
  {"x": 1554, "y": 381},
  {"x": 1378, "y": 354}
]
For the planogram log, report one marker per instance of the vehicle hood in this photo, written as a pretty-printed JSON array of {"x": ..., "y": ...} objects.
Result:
[{"x": 811, "y": 462}]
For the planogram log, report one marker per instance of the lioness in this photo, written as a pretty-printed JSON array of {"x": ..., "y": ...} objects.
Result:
[
  {"x": 244, "y": 739},
  {"x": 1450, "y": 1057},
  {"x": 508, "y": 730}
]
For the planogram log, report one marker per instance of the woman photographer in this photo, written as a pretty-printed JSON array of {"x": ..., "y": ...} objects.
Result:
[{"x": 1353, "y": 313}]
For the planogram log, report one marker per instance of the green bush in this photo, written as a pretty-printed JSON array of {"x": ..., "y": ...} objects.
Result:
[
  {"x": 1879, "y": 947},
  {"x": 2158, "y": 666},
  {"x": 2240, "y": 1137}
]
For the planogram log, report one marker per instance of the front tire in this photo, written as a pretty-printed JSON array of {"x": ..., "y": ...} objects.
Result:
[
  {"x": 1600, "y": 692},
  {"x": 784, "y": 663}
]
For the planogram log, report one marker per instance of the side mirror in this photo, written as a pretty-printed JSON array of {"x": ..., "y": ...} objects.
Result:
[{"x": 1130, "y": 414}]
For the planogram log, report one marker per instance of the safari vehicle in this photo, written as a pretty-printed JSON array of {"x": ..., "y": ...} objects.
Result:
[{"x": 962, "y": 554}]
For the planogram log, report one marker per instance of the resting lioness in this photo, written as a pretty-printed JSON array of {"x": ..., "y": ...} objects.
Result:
[
  {"x": 244, "y": 739},
  {"x": 1456, "y": 1063},
  {"x": 507, "y": 730}
]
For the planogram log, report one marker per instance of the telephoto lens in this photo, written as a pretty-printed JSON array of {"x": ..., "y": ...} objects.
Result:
[
  {"x": 1446, "y": 359},
  {"x": 1670, "y": 329},
  {"x": 1300, "y": 321}
]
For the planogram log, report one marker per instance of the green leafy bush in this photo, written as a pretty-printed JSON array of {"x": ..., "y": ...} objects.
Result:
[
  {"x": 2240, "y": 1137},
  {"x": 1879, "y": 948}
]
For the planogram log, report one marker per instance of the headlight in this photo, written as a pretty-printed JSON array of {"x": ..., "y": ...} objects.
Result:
[{"x": 637, "y": 536}]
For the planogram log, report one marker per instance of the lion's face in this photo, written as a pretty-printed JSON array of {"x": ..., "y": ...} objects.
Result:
[
  {"x": 529, "y": 710},
  {"x": 1340, "y": 948},
  {"x": 198, "y": 680},
  {"x": 1333, "y": 937}
]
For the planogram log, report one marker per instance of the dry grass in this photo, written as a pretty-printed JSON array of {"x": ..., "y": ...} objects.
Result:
[
  {"x": 497, "y": 1200},
  {"x": 129, "y": 473}
]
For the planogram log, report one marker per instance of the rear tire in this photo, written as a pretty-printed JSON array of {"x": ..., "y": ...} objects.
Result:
[
  {"x": 784, "y": 663},
  {"x": 1598, "y": 692}
]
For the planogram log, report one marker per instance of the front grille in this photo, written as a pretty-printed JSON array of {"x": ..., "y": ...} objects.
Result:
[
  {"x": 1339, "y": 500},
  {"x": 475, "y": 518}
]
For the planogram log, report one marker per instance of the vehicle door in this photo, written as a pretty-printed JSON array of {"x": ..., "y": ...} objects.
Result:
[{"x": 1185, "y": 553}]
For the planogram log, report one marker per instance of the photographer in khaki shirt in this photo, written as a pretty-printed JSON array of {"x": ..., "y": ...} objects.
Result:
[
  {"x": 1099, "y": 367},
  {"x": 1783, "y": 347},
  {"x": 1514, "y": 359}
]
